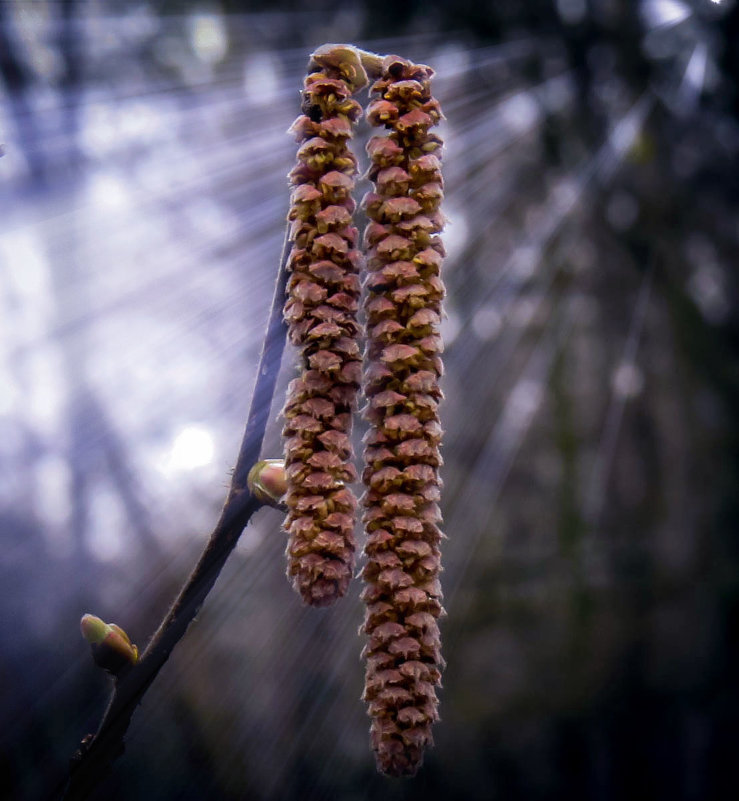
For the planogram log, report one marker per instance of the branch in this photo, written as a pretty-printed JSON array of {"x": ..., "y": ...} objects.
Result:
[{"x": 93, "y": 761}]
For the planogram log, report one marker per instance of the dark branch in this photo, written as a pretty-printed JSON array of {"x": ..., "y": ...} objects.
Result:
[{"x": 94, "y": 759}]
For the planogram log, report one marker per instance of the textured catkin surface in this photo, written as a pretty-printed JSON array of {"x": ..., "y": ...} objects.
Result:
[
  {"x": 323, "y": 297},
  {"x": 403, "y": 365}
]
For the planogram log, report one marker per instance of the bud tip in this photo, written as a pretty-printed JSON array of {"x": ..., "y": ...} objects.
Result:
[{"x": 93, "y": 629}]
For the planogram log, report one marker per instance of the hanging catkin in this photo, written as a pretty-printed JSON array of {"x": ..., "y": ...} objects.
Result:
[
  {"x": 323, "y": 293},
  {"x": 401, "y": 382}
]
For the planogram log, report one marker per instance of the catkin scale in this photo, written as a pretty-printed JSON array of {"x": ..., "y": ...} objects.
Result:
[
  {"x": 320, "y": 311},
  {"x": 403, "y": 295}
]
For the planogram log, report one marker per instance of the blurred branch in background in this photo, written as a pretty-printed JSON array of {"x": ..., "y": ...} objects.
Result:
[{"x": 143, "y": 197}]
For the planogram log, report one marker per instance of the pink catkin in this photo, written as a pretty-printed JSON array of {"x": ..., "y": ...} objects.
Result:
[
  {"x": 323, "y": 297},
  {"x": 401, "y": 382}
]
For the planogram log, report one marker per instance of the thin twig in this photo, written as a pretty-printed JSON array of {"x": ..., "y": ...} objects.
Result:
[{"x": 95, "y": 757}]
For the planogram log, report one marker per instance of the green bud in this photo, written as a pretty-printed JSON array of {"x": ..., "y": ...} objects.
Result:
[
  {"x": 111, "y": 647},
  {"x": 267, "y": 481}
]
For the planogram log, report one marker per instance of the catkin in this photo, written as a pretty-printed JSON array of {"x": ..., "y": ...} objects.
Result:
[
  {"x": 323, "y": 297},
  {"x": 401, "y": 382}
]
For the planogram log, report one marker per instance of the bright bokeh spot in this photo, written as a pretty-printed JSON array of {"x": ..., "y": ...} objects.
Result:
[
  {"x": 520, "y": 112},
  {"x": 627, "y": 380},
  {"x": 208, "y": 37},
  {"x": 192, "y": 448},
  {"x": 108, "y": 191}
]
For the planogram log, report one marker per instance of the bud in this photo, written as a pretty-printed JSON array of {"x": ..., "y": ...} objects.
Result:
[
  {"x": 111, "y": 647},
  {"x": 267, "y": 482}
]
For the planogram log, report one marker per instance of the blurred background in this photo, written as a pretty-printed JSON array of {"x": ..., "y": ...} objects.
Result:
[{"x": 592, "y": 388}]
